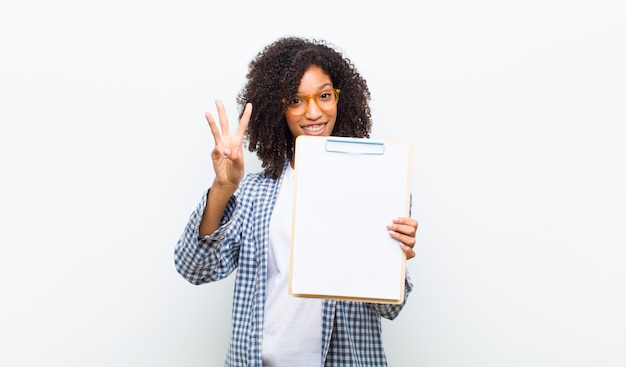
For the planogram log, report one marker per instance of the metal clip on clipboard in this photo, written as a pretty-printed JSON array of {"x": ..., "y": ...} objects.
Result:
[{"x": 354, "y": 145}]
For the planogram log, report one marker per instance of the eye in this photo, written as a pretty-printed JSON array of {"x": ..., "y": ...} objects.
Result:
[
  {"x": 296, "y": 101},
  {"x": 326, "y": 95}
]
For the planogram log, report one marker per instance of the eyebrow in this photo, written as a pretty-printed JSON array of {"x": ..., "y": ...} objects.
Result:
[{"x": 321, "y": 88}]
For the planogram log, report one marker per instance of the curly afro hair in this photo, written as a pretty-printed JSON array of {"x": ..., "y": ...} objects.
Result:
[{"x": 275, "y": 73}]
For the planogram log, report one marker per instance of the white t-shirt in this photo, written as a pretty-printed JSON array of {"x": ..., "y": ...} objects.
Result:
[{"x": 292, "y": 328}]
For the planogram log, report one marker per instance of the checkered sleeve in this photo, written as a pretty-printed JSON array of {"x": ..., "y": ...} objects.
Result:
[
  {"x": 203, "y": 259},
  {"x": 391, "y": 311}
]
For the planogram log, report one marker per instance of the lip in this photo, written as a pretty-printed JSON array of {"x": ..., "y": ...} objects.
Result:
[{"x": 318, "y": 129}]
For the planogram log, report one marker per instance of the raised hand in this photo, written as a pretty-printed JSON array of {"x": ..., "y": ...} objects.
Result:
[
  {"x": 228, "y": 164},
  {"x": 227, "y": 156}
]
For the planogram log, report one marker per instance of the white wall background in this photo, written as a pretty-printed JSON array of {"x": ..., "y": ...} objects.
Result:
[{"x": 516, "y": 110}]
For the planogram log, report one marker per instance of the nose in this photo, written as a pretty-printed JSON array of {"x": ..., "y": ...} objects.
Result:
[{"x": 313, "y": 111}]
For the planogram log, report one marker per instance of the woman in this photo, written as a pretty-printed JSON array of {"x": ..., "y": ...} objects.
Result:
[{"x": 295, "y": 87}]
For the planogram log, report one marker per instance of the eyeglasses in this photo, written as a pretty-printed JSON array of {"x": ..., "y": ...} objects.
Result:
[{"x": 325, "y": 100}]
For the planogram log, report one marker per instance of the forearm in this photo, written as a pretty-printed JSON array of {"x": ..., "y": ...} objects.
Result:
[
  {"x": 201, "y": 259},
  {"x": 216, "y": 202}
]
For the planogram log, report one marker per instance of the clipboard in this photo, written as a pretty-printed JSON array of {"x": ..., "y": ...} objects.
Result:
[{"x": 346, "y": 192}]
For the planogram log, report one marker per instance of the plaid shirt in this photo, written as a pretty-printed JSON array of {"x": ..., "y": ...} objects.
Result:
[{"x": 351, "y": 331}]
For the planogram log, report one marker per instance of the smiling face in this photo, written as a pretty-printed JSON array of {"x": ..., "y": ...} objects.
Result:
[{"x": 314, "y": 89}]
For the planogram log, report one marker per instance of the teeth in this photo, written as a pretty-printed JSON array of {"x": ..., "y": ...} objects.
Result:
[{"x": 313, "y": 128}]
